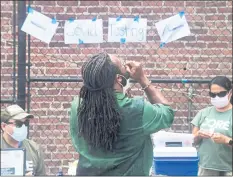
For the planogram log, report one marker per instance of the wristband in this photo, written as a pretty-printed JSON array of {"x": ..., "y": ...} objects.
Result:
[{"x": 144, "y": 88}]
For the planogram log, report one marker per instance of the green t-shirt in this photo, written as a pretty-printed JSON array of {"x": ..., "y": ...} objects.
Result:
[
  {"x": 34, "y": 156},
  {"x": 133, "y": 151},
  {"x": 212, "y": 155}
]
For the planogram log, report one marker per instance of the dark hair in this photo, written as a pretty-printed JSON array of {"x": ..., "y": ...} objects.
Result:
[
  {"x": 98, "y": 112},
  {"x": 222, "y": 81}
]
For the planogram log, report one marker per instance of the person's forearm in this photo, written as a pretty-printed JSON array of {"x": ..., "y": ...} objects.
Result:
[
  {"x": 197, "y": 139},
  {"x": 227, "y": 141},
  {"x": 153, "y": 94}
]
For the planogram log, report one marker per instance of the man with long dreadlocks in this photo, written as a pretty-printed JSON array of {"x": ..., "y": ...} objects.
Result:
[{"x": 110, "y": 131}]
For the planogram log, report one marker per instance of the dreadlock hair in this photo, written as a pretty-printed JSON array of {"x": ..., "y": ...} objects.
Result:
[{"x": 98, "y": 112}]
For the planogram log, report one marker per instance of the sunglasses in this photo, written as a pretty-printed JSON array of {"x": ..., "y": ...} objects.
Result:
[
  {"x": 18, "y": 123},
  {"x": 220, "y": 94}
]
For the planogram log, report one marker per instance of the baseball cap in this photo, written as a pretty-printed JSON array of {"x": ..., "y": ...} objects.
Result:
[{"x": 14, "y": 112}]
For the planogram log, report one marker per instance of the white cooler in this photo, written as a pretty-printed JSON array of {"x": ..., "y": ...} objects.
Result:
[{"x": 168, "y": 139}]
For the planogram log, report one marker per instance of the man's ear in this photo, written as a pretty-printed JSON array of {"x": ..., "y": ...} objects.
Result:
[
  {"x": 3, "y": 125},
  {"x": 230, "y": 93},
  {"x": 118, "y": 78}
]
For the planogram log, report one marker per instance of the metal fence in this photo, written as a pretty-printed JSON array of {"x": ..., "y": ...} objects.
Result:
[{"x": 43, "y": 78}]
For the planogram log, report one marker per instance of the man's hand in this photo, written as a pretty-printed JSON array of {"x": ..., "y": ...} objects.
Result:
[
  {"x": 220, "y": 138},
  {"x": 128, "y": 93},
  {"x": 136, "y": 72},
  {"x": 29, "y": 174},
  {"x": 203, "y": 134}
]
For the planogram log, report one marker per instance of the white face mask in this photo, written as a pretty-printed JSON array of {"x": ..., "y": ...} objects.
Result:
[
  {"x": 220, "y": 102},
  {"x": 123, "y": 83},
  {"x": 128, "y": 85},
  {"x": 19, "y": 134}
]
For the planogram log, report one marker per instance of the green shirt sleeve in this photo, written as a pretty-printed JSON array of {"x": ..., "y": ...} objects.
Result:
[
  {"x": 40, "y": 170},
  {"x": 73, "y": 122},
  {"x": 156, "y": 117},
  {"x": 197, "y": 120}
]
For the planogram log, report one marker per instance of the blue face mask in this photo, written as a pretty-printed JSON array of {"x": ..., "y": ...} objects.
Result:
[{"x": 19, "y": 133}]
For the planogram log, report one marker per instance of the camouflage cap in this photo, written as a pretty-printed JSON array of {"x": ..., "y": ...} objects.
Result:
[{"x": 14, "y": 112}]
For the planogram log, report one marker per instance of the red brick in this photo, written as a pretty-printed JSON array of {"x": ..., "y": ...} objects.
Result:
[
  {"x": 65, "y": 16},
  {"x": 110, "y": 45},
  {"x": 225, "y": 10},
  {"x": 37, "y": 43},
  {"x": 119, "y": 9},
  {"x": 216, "y": 4},
  {"x": 6, "y": 15},
  {"x": 4, "y": 3},
  {"x": 223, "y": 24},
  {"x": 195, "y": 17},
  {"x": 48, "y": 92},
  {"x": 196, "y": 45},
  {"x": 199, "y": 31},
  {"x": 142, "y": 10},
  {"x": 195, "y": 3},
  {"x": 55, "y": 65},
  {"x": 6, "y": 8},
  {"x": 188, "y": 38},
  {"x": 45, "y": 3},
  {"x": 62, "y": 141},
  {"x": 174, "y": 3},
  {"x": 131, "y": 3},
  {"x": 76, "y": 9},
  {"x": 163, "y": 10},
  {"x": 215, "y": 17},
  {"x": 97, "y": 9},
  {"x": 172, "y": 45},
  {"x": 67, "y": 3},
  {"x": 62, "y": 127},
  {"x": 89, "y": 3},
  {"x": 188, "y": 10},
  {"x": 109, "y": 3},
  {"x": 206, "y": 10},
  {"x": 217, "y": 45},
  {"x": 189, "y": 52},
  {"x": 219, "y": 32},
  {"x": 50, "y": 164},
  {"x": 210, "y": 52},
  {"x": 207, "y": 38},
  {"x": 53, "y": 170},
  {"x": 51, "y": 9},
  {"x": 229, "y": 17},
  {"x": 62, "y": 148},
  {"x": 5, "y": 22},
  {"x": 152, "y": 3}
]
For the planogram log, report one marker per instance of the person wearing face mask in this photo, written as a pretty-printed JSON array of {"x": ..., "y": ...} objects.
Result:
[
  {"x": 110, "y": 131},
  {"x": 14, "y": 130},
  {"x": 213, "y": 130}
]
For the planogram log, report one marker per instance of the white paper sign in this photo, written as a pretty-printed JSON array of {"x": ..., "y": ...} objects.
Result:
[
  {"x": 87, "y": 31},
  {"x": 12, "y": 162},
  {"x": 132, "y": 31},
  {"x": 173, "y": 28},
  {"x": 39, "y": 26}
]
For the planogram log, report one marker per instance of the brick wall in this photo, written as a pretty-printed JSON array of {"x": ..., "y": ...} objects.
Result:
[{"x": 204, "y": 54}]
